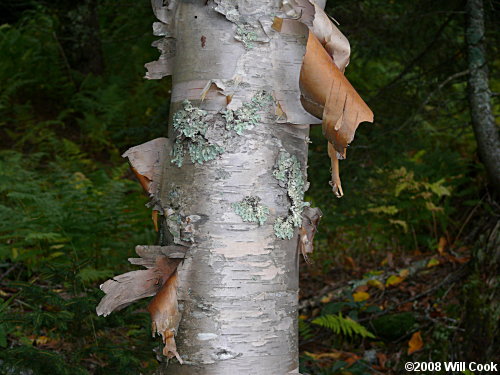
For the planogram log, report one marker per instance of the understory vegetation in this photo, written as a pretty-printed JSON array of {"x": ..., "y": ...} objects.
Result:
[{"x": 389, "y": 280}]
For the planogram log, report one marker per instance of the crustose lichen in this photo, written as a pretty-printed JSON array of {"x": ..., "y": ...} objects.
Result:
[
  {"x": 251, "y": 210},
  {"x": 289, "y": 174}
]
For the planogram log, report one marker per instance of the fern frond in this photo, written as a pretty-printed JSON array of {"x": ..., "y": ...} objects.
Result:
[
  {"x": 305, "y": 330},
  {"x": 342, "y": 326}
]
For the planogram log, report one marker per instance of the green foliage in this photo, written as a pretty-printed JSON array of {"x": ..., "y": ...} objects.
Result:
[
  {"x": 69, "y": 216},
  {"x": 342, "y": 326},
  {"x": 394, "y": 326},
  {"x": 421, "y": 141},
  {"x": 63, "y": 228},
  {"x": 305, "y": 330}
]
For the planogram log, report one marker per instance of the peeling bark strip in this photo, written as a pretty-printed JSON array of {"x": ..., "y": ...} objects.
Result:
[
  {"x": 310, "y": 222},
  {"x": 146, "y": 161},
  {"x": 231, "y": 301},
  {"x": 325, "y": 92},
  {"x": 132, "y": 286},
  {"x": 159, "y": 280},
  {"x": 165, "y": 316}
]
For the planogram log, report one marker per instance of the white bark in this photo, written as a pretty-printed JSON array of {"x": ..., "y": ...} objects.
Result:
[
  {"x": 238, "y": 286},
  {"x": 228, "y": 183}
]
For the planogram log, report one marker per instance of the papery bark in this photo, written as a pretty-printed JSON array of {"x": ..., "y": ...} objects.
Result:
[{"x": 238, "y": 132}]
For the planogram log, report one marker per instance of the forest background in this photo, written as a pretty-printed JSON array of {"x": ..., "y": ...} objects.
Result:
[{"x": 393, "y": 276}]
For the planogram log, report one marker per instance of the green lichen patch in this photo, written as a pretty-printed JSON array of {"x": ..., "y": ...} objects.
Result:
[
  {"x": 191, "y": 124},
  {"x": 246, "y": 35},
  {"x": 251, "y": 210},
  {"x": 246, "y": 116},
  {"x": 283, "y": 228},
  {"x": 288, "y": 172}
]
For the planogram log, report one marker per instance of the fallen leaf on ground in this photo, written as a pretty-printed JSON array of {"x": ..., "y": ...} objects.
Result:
[
  {"x": 404, "y": 273},
  {"x": 432, "y": 263},
  {"x": 442, "y": 245},
  {"x": 360, "y": 296},
  {"x": 416, "y": 343},
  {"x": 376, "y": 283},
  {"x": 333, "y": 355},
  {"x": 382, "y": 359},
  {"x": 394, "y": 280}
]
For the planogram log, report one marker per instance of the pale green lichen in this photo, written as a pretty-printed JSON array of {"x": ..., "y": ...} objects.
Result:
[
  {"x": 246, "y": 35},
  {"x": 288, "y": 172},
  {"x": 251, "y": 210},
  {"x": 246, "y": 116},
  {"x": 283, "y": 228},
  {"x": 191, "y": 124}
]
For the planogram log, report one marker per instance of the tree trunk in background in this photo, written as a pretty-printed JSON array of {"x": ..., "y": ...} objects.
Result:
[
  {"x": 483, "y": 121},
  {"x": 238, "y": 286},
  {"x": 482, "y": 290}
]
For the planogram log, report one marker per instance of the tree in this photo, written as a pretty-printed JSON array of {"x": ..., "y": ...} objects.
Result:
[
  {"x": 483, "y": 120},
  {"x": 482, "y": 302},
  {"x": 227, "y": 185}
]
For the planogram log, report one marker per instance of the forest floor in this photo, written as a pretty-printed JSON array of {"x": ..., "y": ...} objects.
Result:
[{"x": 410, "y": 304}]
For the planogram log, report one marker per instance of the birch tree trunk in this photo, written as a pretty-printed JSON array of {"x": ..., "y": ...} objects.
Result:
[
  {"x": 482, "y": 289},
  {"x": 483, "y": 120},
  {"x": 238, "y": 286},
  {"x": 228, "y": 183}
]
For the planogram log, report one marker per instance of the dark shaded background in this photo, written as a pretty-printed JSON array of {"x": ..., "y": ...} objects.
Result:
[{"x": 393, "y": 255}]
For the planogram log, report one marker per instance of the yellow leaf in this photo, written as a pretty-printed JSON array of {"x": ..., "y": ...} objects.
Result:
[
  {"x": 416, "y": 343},
  {"x": 56, "y": 254},
  {"x": 404, "y": 273},
  {"x": 432, "y": 207},
  {"x": 334, "y": 355},
  {"x": 390, "y": 210},
  {"x": 432, "y": 263},
  {"x": 401, "y": 223},
  {"x": 376, "y": 283},
  {"x": 41, "y": 340},
  {"x": 326, "y": 299},
  {"x": 442, "y": 245},
  {"x": 360, "y": 296},
  {"x": 393, "y": 280}
]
